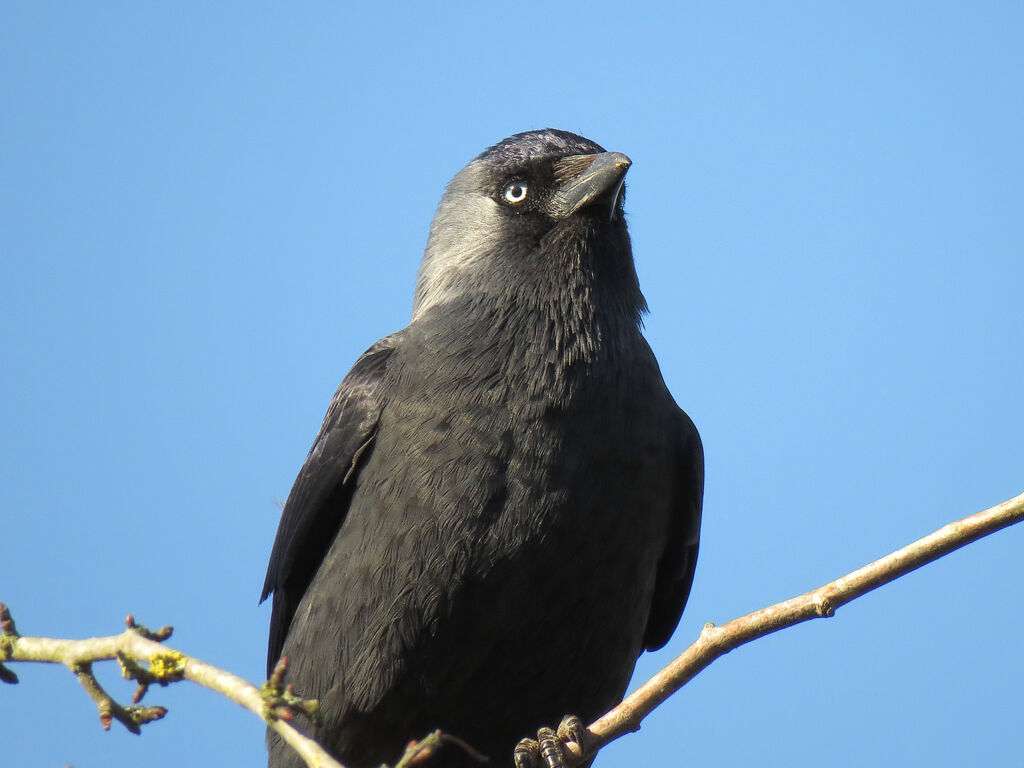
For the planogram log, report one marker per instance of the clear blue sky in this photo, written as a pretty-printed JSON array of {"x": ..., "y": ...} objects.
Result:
[{"x": 207, "y": 211}]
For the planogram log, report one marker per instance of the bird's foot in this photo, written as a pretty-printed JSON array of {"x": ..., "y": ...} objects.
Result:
[{"x": 550, "y": 749}]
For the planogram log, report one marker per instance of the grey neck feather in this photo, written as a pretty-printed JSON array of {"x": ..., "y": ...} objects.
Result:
[{"x": 465, "y": 230}]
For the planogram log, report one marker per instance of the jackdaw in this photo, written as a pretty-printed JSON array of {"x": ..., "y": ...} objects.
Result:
[{"x": 501, "y": 510}]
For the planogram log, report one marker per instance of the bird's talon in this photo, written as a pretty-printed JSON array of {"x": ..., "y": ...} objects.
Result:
[
  {"x": 549, "y": 749},
  {"x": 572, "y": 729},
  {"x": 527, "y": 754}
]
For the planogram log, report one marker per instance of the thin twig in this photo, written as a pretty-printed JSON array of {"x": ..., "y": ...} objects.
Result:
[{"x": 165, "y": 664}]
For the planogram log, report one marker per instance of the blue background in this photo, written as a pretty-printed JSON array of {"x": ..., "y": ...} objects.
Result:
[{"x": 207, "y": 211}]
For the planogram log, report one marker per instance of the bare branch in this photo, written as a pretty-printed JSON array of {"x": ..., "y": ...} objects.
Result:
[
  {"x": 715, "y": 641},
  {"x": 276, "y": 702},
  {"x": 132, "y": 718},
  {"x": 165, "y": 665}
]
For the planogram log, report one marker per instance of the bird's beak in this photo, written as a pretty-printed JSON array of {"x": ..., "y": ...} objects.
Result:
[{"x": 582, "y": 179}]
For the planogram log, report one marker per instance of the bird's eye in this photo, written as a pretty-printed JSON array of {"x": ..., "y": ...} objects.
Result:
[{"x": 515, "y": 192}]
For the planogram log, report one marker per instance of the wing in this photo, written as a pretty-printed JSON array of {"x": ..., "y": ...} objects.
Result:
[
  {"x": 319, "y": 499},
  {"x": 675, "y": 571}
]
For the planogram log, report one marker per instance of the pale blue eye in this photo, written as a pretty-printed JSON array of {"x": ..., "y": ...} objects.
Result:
[{"x": 516, "y": 192}]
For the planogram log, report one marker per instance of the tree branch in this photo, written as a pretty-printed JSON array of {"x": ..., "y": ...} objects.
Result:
[
  {"x": 715, "y": 641},
  {"x": 165, "y": 665}
]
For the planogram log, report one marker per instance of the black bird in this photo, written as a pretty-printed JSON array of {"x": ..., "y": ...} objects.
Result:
[{"x": 502, "y": 508}]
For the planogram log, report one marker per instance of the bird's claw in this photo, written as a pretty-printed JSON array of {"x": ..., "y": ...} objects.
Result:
[{"x": 549, "y": 749}]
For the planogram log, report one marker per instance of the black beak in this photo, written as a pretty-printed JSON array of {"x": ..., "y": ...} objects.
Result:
[{"x": 582, "y": 179}]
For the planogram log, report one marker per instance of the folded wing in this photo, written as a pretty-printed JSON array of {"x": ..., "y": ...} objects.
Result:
[{"x": 320, "y": 498}]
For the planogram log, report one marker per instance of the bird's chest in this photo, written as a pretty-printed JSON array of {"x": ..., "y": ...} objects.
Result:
[
  {"x": 499, "y": 500},
  {"x": 523, "y": 455}
]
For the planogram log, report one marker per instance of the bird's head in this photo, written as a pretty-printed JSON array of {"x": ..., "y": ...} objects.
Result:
[{"x": 537, "y": 216}]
